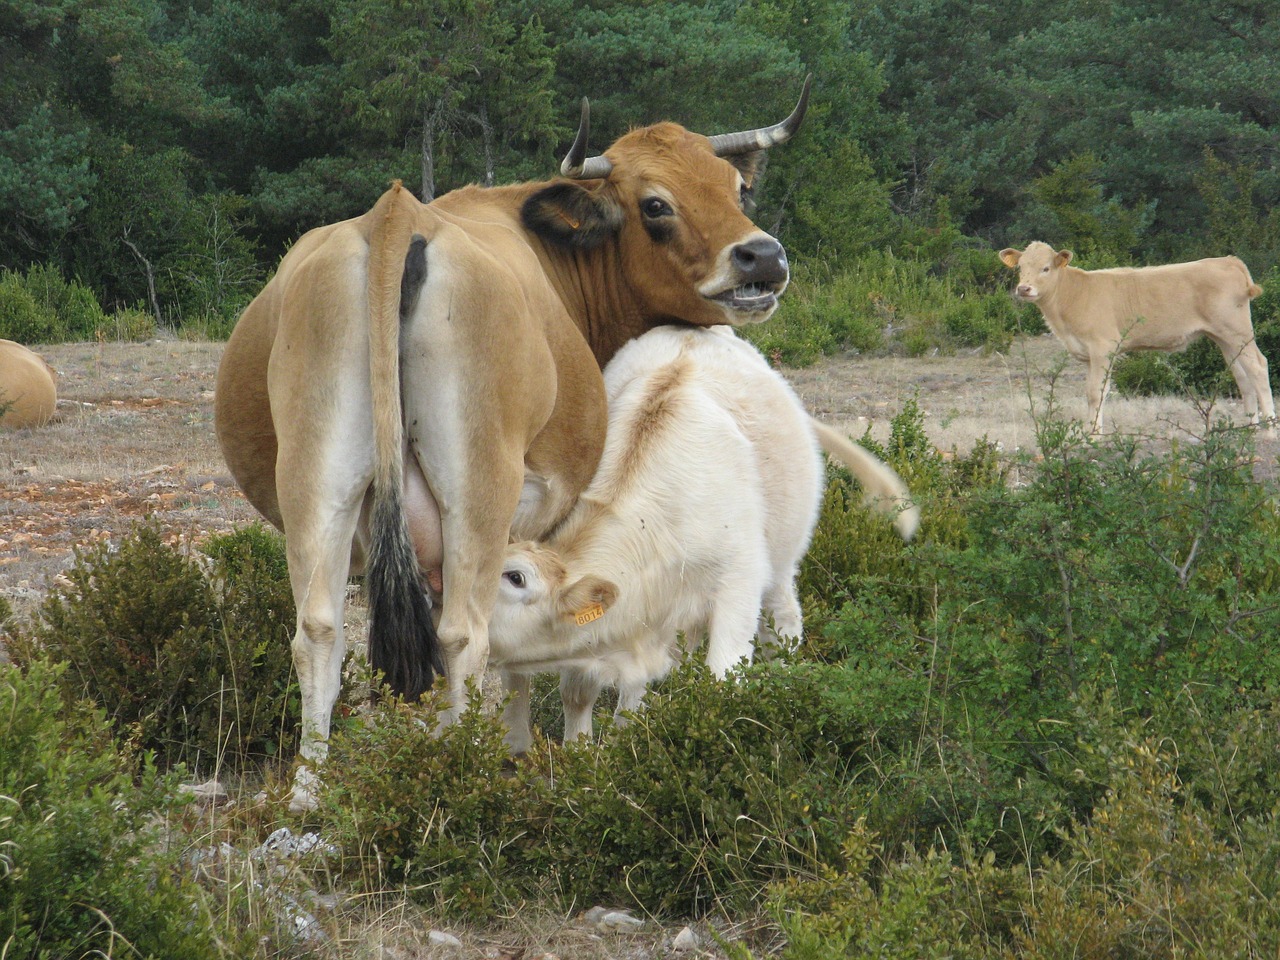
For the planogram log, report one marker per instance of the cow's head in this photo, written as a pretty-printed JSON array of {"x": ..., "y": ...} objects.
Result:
[
  {"x": 674, "y": 203},
  {"x": 1037, "y": 267},
  {"x": 537, "y": 598}
]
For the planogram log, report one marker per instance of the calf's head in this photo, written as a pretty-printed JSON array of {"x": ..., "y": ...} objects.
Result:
[
  {"x": 1038, "y": 269},
  {"x": 674, "y": 203},
  {"x": 537, "y": 599}
]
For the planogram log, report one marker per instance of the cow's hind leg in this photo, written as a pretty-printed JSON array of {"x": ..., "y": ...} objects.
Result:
[
  {"x": 319, "y": 560},
  {"x": 1252, "y": 375}
]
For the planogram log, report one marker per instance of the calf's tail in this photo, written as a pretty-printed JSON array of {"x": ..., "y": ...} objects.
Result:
[
  {"x": 403, "y": 644},
  {"x": 884, "y": 488}
]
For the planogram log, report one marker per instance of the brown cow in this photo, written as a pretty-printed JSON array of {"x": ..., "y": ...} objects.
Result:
[
  {"x": 28, "y": 387},
  {"x": 1099, "y": 313},
  {"x": 417, "y": 385}
]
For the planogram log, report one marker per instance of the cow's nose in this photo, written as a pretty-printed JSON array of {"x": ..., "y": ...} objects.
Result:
[
  {"x": 1024, "y": 289},
  {"x": 761, "y": 260}
]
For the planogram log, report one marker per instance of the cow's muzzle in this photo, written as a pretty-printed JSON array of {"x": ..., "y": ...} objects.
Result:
[{"x": 761, "y": 273}]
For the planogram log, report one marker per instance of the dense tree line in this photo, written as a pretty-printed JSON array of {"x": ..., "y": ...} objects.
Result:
[{"x": 166, "y": 153}]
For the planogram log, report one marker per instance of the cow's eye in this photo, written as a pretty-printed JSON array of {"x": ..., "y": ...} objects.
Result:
[
  {"x": 655, "y": 207},
  {"x": 1045, "y": 270},
  {"x": 515, "y": 578}
]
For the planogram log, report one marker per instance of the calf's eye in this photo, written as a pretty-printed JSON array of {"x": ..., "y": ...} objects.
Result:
[{"x": 515, "y": 578}]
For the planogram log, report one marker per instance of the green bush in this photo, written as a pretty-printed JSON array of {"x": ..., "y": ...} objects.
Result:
[
  {"x": 22, "y": 319},
  {"x": 1143, "y": 875},
  {"x": 83, "y": 871},
  {"x": 196, "y": 668},
  {"x": 79, "y": 315},
  {"x": 710, "y": 793},
  {"x": 42, "y": 306},
  {"x": 434, "y": 812},
  {"x": 1149, "y": 575}
]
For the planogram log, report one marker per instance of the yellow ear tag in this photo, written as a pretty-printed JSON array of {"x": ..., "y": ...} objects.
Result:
[{"x": 587, "y": 614}]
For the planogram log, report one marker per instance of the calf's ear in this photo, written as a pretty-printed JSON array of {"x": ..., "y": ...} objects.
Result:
[
  {"x": 589, "y": 595},
  {"x": 571, "y": 214},
  {"x": 1010, "y": 257},
  {"x": 1062, "y": 258}
]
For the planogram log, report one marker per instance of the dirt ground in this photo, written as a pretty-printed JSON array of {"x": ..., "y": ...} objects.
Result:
[{"x": 133, "y": 436}]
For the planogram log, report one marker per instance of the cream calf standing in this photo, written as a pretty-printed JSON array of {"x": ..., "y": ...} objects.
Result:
[
  {"x": 1100, "y": 313},
  {"x": 702, "y": 507}
]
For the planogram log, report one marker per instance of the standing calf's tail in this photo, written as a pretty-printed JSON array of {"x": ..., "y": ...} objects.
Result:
[
  {"x": 403, "y": 644},
  {"x": 884, "y": 488}
]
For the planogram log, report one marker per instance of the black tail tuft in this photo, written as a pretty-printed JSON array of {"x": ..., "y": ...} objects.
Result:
[{"x": 403, "y": 644}]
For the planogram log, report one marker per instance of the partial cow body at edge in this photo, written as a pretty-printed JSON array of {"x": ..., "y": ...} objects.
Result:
[
  {"x": 1098, "y": 314},
  {"x": 702, "y": 508},
  {"x": 419, "y": 384},
  {"x": 28, "y": 387}
]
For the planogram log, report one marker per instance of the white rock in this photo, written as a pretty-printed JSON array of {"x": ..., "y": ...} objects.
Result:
[
  {"x": 686, "y": 941},
  {"x": 438, "y": 938},
  {"x": 618, "y": 921}
]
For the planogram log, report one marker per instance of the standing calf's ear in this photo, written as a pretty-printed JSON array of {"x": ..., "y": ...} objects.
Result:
[
  {"x": 1010, "y": 257},
  {"x": 570, "y": 214},
  {"x": 585, "y": 595},
  {"x": 1062, "y": 258}
]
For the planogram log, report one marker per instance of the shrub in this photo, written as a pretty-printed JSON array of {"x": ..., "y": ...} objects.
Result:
[
  {"x": 1141, "y": 875},
  {"x": 129, "y": 325},
  {"x": 82, "y": 870},
  {"x": 22, "y": 319},
  {"x": 195, "y": 669},
  {"x": 1145, "y": 574},
  {"x": 435, "y": 812},
  {"x": 711, "y": 792},
  {"x": 42, "y": 306},
  {"x": 78, "y": 313}
]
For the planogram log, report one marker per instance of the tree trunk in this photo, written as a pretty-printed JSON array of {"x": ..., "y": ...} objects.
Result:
[
  {"x": 151, "y": 279},
  {"x": 428, "y": 154},
  {"x": 486, "y": 136}
]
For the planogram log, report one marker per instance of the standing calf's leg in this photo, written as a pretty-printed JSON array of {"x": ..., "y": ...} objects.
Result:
[
  {"x": 578, "y": 692},
  {"x": 1097, "y": 385},
  {"x": 516, "y": 715}
]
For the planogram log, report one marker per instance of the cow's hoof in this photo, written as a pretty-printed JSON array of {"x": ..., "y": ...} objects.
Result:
[{"x": 303, "y": 797}]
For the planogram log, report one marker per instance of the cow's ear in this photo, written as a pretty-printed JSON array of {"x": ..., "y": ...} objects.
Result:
[
  {"x": 749, "y": 164},
  {"x": 587, "y": 599},
  {"x": 1062, "y": 258},
  {"x": 571, "y": 214},
  {"x": 1010, "y": 257}
]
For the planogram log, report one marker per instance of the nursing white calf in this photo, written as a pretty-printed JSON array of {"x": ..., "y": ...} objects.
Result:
[{"x": 702, "y": 507}]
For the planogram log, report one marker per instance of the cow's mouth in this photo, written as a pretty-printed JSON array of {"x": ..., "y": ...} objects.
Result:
[{"x": 750, "y": 298}]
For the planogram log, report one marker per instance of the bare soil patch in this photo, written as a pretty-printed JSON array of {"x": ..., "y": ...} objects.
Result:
[{"x": 133, "y": 437}]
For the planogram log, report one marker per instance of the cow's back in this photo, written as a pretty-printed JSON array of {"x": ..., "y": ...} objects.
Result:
[
  {"x": 786, "y": 463},
  {"x": 28, "y": 390},
  {"x": 1161, "y": 307}
]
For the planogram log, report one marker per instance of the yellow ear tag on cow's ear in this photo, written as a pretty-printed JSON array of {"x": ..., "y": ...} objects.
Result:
[{"x": 587, "y": 614}]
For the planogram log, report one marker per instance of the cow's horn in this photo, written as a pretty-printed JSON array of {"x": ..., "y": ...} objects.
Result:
[
  {"x": 748, "y": 141},
  {"x": 577, "y": 165}
]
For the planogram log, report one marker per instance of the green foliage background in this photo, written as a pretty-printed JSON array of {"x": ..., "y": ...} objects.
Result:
[{"x": 165, "y": 154}]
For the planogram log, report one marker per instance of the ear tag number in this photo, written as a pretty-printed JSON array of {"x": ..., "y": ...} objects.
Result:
[{"x": 587, "y": 614}]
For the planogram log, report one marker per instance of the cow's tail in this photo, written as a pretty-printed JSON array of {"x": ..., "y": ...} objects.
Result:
[
  {"x": 884, "y": 488},
  {"x": 1252, "y": 290},
  {"x": 403, "y": 645}
]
